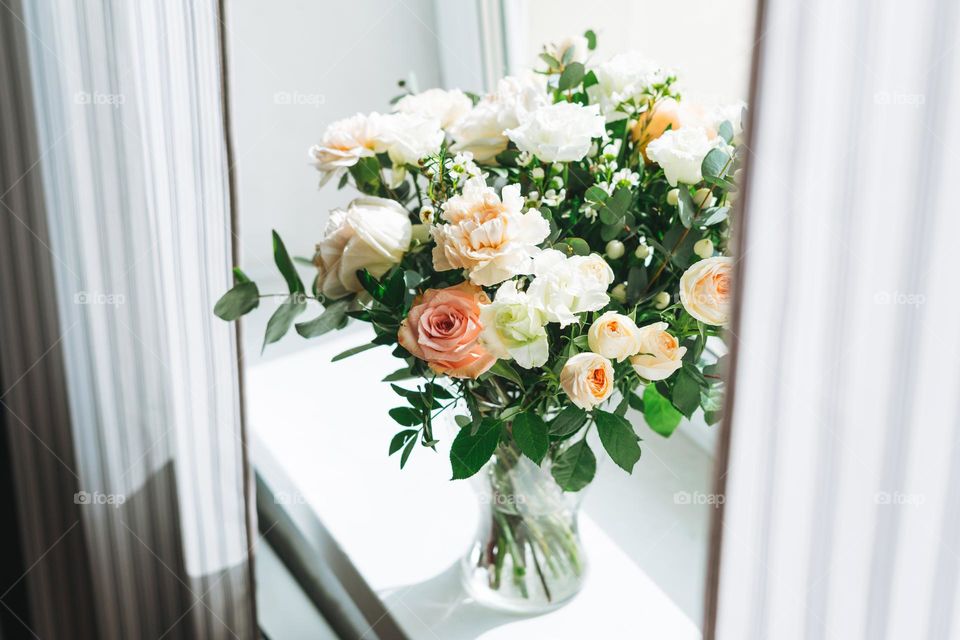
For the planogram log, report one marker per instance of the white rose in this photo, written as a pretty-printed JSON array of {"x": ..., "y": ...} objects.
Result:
[
  {"x": 587, "y": 378},
  {"x": 404, "y": 137},
  {"x": 447, "y": 107},
  {"x": 488, "y": 236},
  {"x": 343, "y": 144},
  {"x": 563, "y": 287},
  {"x": 681, "y": 152},
  {"x": 660, "y": 355},
  {"x": 512, "y": 328},
  {"x": 732, "y": 113},
  {"x": 482, "y": 130},
  {"x": 614, "y": 336},
  {"x": 372, "y": 234},
  {"x": 559, "y": 48},
  {"x": 559, "y": 132},
  {"x": 623, "y": 77},
  {"x": 706, "y": 289}
]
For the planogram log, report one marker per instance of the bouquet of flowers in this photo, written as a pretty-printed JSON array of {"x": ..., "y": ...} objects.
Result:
[{"x": 541, "y": 259}]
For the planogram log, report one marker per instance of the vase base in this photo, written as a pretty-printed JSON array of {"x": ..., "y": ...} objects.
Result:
[{"x": 508, "y": 599}]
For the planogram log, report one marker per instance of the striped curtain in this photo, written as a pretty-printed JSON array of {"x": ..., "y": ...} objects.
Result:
[
  {"x": 120, "y": 394},
  {"x": 842, "y": 478}
]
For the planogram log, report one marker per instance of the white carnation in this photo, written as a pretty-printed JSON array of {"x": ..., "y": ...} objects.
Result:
[
  {"x": 482, "y": 130},
  {"x": 406, "y": 138},
  {"x": 343, "y": 144},
  {"x": 565, "y": 286},
  {"x": 447, "y": 107},
  {"x": 681, "y": 152},
  {"x": 559, "y": 132},
  {"x": 621, "y": 78}
]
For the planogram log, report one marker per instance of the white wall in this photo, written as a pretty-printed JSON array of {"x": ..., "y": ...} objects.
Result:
[
  {"x": 334, "y": 59},
  {"x": 708, "y": 42}
]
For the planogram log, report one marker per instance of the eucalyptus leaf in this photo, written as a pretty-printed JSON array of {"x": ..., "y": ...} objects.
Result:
[
  {"x": 354, "y": 351},
  {"x": 283, "y": 317},
  {"x": 333, "y": 317},
  {"x": 286, "y": 266},
  {"x": 240, "y": 300},
  {"x": 397, "y": 442},
  {"x": 572, "y": 76},
  {"x": 406, "y": 416},
  {"x": 714, "y": 163}
]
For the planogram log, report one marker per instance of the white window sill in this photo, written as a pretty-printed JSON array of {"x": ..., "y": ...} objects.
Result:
[{"x": 326, "y": 425}]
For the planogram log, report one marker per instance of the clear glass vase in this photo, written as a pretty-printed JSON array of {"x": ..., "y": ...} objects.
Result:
[{"x": 527, "y": 556}]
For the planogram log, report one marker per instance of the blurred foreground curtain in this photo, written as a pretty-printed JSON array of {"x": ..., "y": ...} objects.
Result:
[
  {"x": 124, "y": 458},
  {"x": 842, "y": 515}
]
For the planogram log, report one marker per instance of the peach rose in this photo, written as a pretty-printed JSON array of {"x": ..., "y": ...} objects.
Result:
[
  {"x": 660, "y": 355},
  {"x": 587, "y": 378},
  {"x": 443, "y": 329},
  {"x": 706, "y": 289}
]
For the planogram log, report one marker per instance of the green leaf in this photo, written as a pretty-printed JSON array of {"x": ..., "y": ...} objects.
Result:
[
  {"x": 595, "y": 194},
  {"x": 463, "y": 421},
  {"x": 636, "y": 283},
  {"x": 579, "y": 246},
  {"x": 400, "y": 374},
  {"x": 590, "y": 79},
  {"x": 615, "y": 208},
  {"x": 469, "y": 453},
  {"x": 591, "y": 39},
  {"x": 333, "y": 317},
  {"x": 552, "y": 62},
  {"x": 711, "y": 398},
  {"x": 285, "y": 265},
  {"x": 568, "y": 54},
  {"x": 401, "y": 439},
  {"x": 636, "y": 402},
  {"x": 568, "y": 421},
  {"x": 618, "y": 439},
  {"x": 504, "y": 369},
  {"x": 530, "y": 434},
  {"x": 686, "y": 207},
  {"x": 725, "y": 130},
  {"x": 575, "y": 467},
  {"x": 660, "y": 415},
  {"x": 714, "y": 215},
  {"x": 686, "y": 393},
  {"x": 714, "y": 162},
  {"x": 353, "y": 351},
  {"x": 242, "y": 299},
  {"x": 239, "y": 276},
  {"x": 406, "y": 416},
  {"x": 571, "y": 76},
  {"x": 283, "y": 317},
  {"x": 394, "y": 288},
  {"x": 406, "y": 452}
]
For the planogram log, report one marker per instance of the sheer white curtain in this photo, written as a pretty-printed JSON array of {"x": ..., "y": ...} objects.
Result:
[
  {"x": 119, "y": 234},
  {"x": 842, "y": 517}
]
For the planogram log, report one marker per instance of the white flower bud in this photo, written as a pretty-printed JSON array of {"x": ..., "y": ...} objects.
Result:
[
  {"x": 426, "y": 214},
  {"x": 703, "y": 248},
  {"x": 615, "y": 249},
  {"x": 704, "y": 198},
  {"x": 537, "y": 173},
  {"x": 619, "y": 293},
  {"x": 533, "y": 195},
  {"x": 556, "y": 182},
  {"x": 673, "y": 196},
  {"x": 661, "y": 300},
  {"x": 642, "y": 252},
  {"x": 558, "y": 167}
]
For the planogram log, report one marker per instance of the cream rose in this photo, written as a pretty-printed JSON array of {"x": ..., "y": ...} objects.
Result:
[
  {"x": 447, "y": 107},
  {"x": 706, "y": 289},
  {"x": 561, "y": 132},
  {"x": 513, "y": 328},
  {"x": 614, "y": 335},
  {"x": 566, "y": 286},
  {"x": 660, "y": 355},
  {"x": 587, "y": 378},
  {"x": 481, "y": 131},
  {"x": 681, "y": 153},
  {"x": 490, "y": 237},
  {"x": 343, "y": 144},
  {"x": 372, "y": 234}
]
